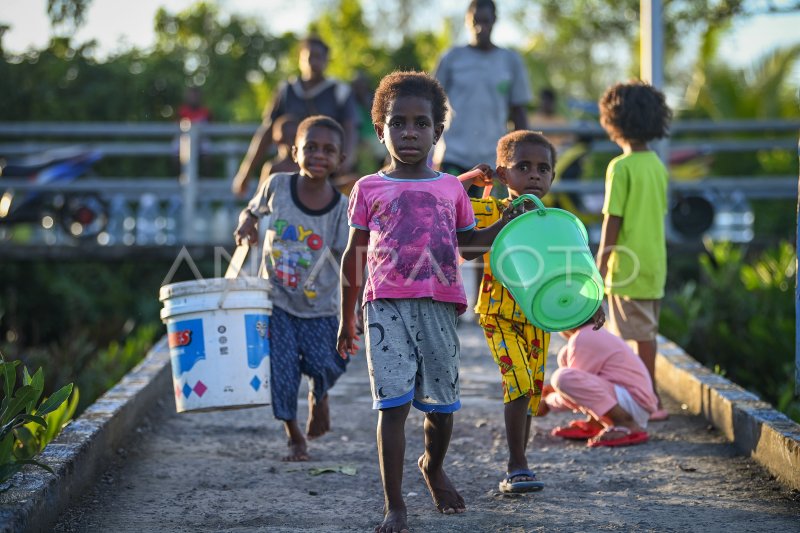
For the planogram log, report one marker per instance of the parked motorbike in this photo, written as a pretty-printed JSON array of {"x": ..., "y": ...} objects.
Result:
[{"x": 80, "y": 214}]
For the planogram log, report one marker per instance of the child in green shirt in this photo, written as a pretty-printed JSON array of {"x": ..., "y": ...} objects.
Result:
[{"x": 632, "y": 257}]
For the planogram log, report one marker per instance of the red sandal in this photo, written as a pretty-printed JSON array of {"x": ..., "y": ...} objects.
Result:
[{"x": 577, "y": 430}]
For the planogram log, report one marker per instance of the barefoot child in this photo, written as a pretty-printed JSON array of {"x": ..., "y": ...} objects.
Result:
[
  {"x": 525, "y": 163},
  {"x": 600, "y": 375},
  {"x": 632, "y": 257},
  {"x": 407, "y": 224},
  {"x": 306, "y": 235}
]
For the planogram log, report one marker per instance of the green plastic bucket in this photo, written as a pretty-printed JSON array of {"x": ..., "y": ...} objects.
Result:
[{"x": 542, "y": 257}]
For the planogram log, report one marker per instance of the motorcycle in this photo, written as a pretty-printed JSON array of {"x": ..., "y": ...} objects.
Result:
[{"x": 82, "y": 215}]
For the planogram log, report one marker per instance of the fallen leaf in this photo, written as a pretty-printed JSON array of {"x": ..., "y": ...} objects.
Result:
[{"x": 339, "y": 469}]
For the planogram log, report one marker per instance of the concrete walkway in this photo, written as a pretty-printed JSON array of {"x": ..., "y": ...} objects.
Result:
[{"x": 222, "y": 472}]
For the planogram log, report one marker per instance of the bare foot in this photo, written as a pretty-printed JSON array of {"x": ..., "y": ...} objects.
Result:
[
  {"x": 619, "y": 431},
  {"x": 319, "y": 418},
  {"x": 297, "y": 452},
  {"x": 394, "y": 522},
  {"x": 444, "y": 494}
]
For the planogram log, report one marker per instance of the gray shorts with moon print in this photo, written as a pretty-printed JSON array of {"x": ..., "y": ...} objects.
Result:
[{"x": 413, "y": 354}]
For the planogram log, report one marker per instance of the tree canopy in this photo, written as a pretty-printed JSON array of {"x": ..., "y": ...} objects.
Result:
[{"x": 577, "y": 47}]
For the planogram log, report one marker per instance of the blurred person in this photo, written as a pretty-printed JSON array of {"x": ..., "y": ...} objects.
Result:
[
  {"x": 194, "y": 111},
  {"x": 547, "y": 115},
  {"x": 192, "y": 108},
  {"x": 310, "y": 94},
  {"x": 486, "y": 86},
  {"x": 284, "y": 130}
]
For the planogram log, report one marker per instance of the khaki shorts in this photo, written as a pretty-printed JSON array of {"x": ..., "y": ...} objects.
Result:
[{"x": 632, "y": 319}]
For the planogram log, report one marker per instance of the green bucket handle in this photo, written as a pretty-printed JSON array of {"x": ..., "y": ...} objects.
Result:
[{"x": 540, "y": 208}]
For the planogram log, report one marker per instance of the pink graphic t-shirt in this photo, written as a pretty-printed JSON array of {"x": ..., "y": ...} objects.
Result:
[{"x": 412, "y": 224}]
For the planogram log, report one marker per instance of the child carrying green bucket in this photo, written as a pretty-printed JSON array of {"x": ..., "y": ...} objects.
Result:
[{"x": 525, "y": 163}]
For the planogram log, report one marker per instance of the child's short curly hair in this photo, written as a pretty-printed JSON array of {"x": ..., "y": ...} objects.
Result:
[
  {"x": 634, "y": 111},
  {"x": 408, "y": 83},
  {"x": 508, "y": 144},
  {"x": 320, "y": 121}
]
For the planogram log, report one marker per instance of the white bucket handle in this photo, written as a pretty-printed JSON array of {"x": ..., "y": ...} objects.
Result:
[
  {"x": 234, "y": 268},
  {"x": 237, "y": 260}
]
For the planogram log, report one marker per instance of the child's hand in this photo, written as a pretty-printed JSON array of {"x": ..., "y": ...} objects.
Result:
[
  {"x": 513, "y": 211},
  {"x": 346, "y": 342},
  {"x": 543, "y": 407},
  {"x": 247, "y": 230},
  {"x": 599, "y": 319},
  {"x": 480, "y": 176}
]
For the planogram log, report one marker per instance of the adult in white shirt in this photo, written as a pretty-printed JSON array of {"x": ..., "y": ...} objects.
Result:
[{"x": 487, "y": 87}]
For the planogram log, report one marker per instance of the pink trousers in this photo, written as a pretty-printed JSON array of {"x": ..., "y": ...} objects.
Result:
[{"x": 584, "y": 391}]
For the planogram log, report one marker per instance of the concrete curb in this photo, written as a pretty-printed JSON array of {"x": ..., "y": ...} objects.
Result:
[
  {"x": 85, "y": 447},
  {"x": 81, "y": 453},
  {"x": 754, "y": 426}
]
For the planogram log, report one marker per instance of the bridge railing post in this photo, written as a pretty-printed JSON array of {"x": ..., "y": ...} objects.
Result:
[{"x": 189, "y": 178}]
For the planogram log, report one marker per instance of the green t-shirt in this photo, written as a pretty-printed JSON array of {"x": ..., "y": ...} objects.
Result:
[{"x": 636, "y": 191}]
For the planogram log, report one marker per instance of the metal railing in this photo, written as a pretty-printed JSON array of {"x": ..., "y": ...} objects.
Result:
[{"x": 230, "y": 141}]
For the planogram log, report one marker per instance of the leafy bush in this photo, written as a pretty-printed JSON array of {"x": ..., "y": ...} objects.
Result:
[
  {"x": 25, "y": 428},
  {"x": 739, "y": 319}
]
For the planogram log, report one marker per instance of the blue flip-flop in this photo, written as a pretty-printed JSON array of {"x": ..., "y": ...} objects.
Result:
[{"x": 508, "y": 485}]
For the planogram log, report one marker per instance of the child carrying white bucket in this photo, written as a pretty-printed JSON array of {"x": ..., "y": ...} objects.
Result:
[{"x": 305, "y": 239}]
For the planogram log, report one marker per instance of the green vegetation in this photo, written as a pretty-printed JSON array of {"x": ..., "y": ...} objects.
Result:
[
  {"x": 738, "y": 319},
  {"x": 27, "y": 425}
]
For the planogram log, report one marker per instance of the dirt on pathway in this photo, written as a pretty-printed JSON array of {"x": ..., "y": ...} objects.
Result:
[{"x": 222, "y": 472}]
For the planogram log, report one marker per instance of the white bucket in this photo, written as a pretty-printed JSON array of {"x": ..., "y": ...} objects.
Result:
[{"x": 218, "y": 342}]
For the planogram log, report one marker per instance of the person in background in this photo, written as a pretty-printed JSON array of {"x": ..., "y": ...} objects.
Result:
[
  {"x": 305, "y": 238},
  {"x": 632, "y": 257},
  {"x": 192, "y": 108},
  {"x": 194, "y": 111},
  {"x": 487, "y": 87},
  {"x": 284, "y": 130},
  {"x": 311, "y": 94},
  {"x": 371, "y": 153},
  {"x": 547, "y": 115}
]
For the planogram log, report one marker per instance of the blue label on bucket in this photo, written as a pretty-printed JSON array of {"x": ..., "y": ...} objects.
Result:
[
  {"x": 186, "y": 345},
  {"x": 257, "y": 331}
]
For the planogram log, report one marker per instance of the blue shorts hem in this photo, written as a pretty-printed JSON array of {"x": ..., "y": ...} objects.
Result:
[
  {"x": 437, "y": 408},
  {"x": 393, "y": 402}
]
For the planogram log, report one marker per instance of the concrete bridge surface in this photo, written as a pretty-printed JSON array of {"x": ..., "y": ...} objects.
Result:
[{"x": 131, "y": 464}]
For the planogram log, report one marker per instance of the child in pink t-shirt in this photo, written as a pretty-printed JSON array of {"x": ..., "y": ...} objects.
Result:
[
  {"x": 600, "y": 375},
  {"x": 409, "y": 223}
]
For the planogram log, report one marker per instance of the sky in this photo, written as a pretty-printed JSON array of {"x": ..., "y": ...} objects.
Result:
[{"x": 117, "y": 24}]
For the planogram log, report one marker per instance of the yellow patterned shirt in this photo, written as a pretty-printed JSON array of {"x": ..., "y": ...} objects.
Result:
[{"x": 494, "y": 298}]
